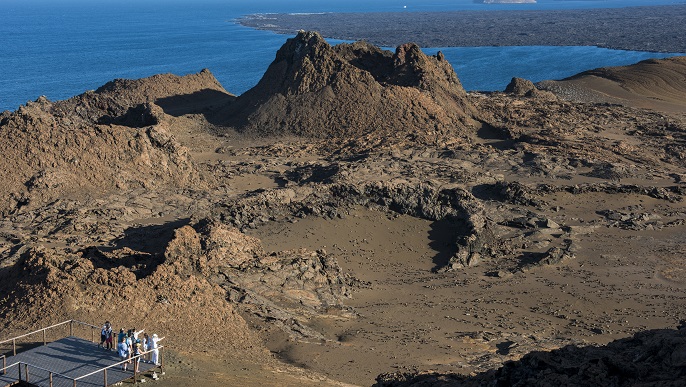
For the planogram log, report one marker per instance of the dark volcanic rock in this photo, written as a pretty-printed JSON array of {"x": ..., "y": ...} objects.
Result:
[
  {"x": 625, "y": 28},
  {"x": 475, "y": 242},
  {"x": 284, "y": 287},
  {"x": 650, "y": 358},
  {"x": 314, "y": 89},
  {"x": 525, "y": 88},
  {"x": 520, "y": 86}
]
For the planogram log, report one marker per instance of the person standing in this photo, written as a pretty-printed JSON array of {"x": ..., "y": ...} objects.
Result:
[
  {"x": 155, "y": 349},
  {"x": 121, "y": 336},
  {"x": 103, "y": 334},
  {"x": 108, "y": 336},
  {"x": 135, "y": 354},
  {"x": 147, "y": 346},
  {"x": 123, "y": 351},
  {"x": 129, "y": 338}
]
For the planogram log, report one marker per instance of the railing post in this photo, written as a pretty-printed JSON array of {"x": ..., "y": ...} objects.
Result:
[
  {"x": 105, "y": 377},
  {"x": 50, "y": 379},
  {"x": 14, "y": 347},
  {"x": 92, "y": 335},
  {"x": 161, "y": 360},
  {"x": 71, "y": 328},
  {"x": 19, "y": 370},
  {"x": 26, "y": 372},
  {"x": 4, "y": 364},
  {"x": 74, "y": 382},
  {"x": 44, "y": 341}
]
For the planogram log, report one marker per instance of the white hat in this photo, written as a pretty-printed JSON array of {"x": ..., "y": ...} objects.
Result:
[{"x": 154, "y": 336}]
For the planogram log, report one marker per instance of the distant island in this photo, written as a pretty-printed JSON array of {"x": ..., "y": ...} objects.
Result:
[
  {"x": 654, "y": 28},
  {"x": 505, "y": 1}
]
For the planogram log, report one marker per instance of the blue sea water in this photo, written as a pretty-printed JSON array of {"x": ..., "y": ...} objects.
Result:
[{"x": 63, "y": 48}]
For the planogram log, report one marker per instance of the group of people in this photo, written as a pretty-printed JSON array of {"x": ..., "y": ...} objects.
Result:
[{"x": 131, "y": 346}]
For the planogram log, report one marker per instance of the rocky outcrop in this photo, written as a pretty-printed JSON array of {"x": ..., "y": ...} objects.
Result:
[
  {"x": 426, "y": 201},
  {"x": 113, "y": 138},
  {"x": 417, "y": 198},
  {"x": 116, "y": 98},
  {"x": 525, "y": 88},
  {"x": 520, "y": 86},
  {"x": 314, "y": 89},
  {"x": 206, "y": 272},
  {"x": 285, "y": 288},
  {"x": 131, "y": 287}
]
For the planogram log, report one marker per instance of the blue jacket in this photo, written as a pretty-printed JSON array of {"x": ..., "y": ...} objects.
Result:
[{"x": 123, "y": 350}]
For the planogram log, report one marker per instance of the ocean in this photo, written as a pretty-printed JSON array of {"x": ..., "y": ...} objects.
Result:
[{"x": 61, "y": 49}]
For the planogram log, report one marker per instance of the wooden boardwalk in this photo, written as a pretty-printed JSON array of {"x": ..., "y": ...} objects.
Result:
[{"x": 71, "y": 358}]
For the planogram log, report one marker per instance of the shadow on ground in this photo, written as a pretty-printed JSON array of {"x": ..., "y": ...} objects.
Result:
[
  {"x": 141, "y": 249},
  {"x": 443, "y": 236},
  {"x": 649, "y": 358},
  {"x": 151, "y": 239},
  {"x": 205, "y": 102}
]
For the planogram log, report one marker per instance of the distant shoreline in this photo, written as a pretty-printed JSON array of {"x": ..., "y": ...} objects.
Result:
[{"x": 654, "y": 28}]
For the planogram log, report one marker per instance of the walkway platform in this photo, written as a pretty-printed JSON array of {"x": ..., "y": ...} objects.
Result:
[{"x": 68, "y": 358}]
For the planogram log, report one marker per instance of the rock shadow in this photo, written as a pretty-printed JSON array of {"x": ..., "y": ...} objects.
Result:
[
  {"x": 504, "y": 347},
  {"x": 649, "y": 358},
  {"x": 205, "y": 102},
  {"x": 280, "y": 181},
  {"x": 138, "y": 116},
  {"x": 151, "y": 239},
  {"x": 313, "y": 174},
  {"x": 140, "y": 264},
  {"x": 496, "y": 137},
  {"x": 9, "y": 277},
  {"x": 490, "y": 192},
  {"x": 140, "y": 250},
  {"x": 444, "y": 235},
  {"x": 529, "y": 259}
]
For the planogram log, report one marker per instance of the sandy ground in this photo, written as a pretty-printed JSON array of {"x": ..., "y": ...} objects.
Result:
[
  {"x": 219, "y": 370},
  {"x": 412, "y": 318},
  {"x": 201, "y": 368}
]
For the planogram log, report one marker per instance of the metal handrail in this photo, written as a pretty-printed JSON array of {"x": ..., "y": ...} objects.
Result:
[
  {"x": 116, "y": 364},
  {"x": 5, "y": 368},
  {"x": 44, "y": 330},
  {"x": 74, "y": 380},
  {"x": 86, "y": 324},
  {"x": 42, "y": 369},
  {"x": 51, "y": 373},
  {"x": 34, "y": 332}
]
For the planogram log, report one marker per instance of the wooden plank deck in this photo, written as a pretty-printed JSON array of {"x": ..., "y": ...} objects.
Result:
[{"x": 71, "y": 357}]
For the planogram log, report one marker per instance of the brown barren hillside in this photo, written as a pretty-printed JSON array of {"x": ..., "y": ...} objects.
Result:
[
  {"x": 357, "y": 218},
  {"x": 314, "y": 89},
  {"x": 103, "y": 140},
  {"x": 655, "y": 84}
]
